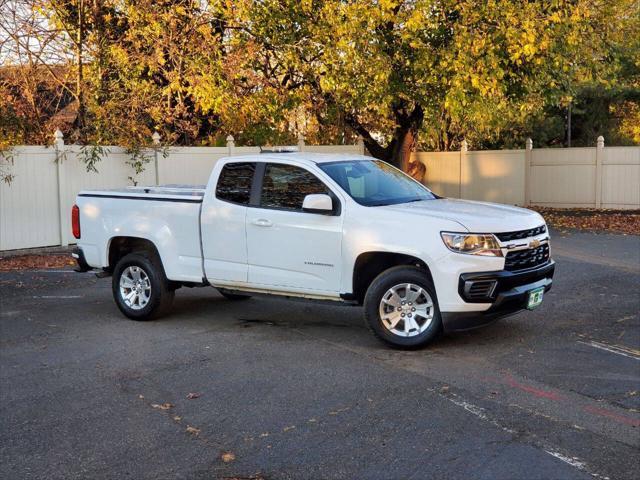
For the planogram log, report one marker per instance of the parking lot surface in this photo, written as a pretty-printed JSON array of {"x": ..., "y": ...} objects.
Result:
[{"x": 278, "y": 389}]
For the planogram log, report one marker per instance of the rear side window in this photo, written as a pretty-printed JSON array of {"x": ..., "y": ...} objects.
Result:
[
  {"x": 285, "y": 186},
  {"x": 234, "y": 183}
]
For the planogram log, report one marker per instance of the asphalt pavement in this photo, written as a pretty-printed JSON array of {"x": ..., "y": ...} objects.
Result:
[{"x": 276, "y": 389}]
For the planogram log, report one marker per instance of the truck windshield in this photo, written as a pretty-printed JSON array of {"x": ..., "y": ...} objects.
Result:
[{"x": 375, "y": 183}]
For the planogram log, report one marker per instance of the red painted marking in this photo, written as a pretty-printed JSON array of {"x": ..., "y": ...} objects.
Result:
[
  {"x": 606, "y": 413},
  {"x": 557, "y": 397},
  {"x": 533, "y": 390}
]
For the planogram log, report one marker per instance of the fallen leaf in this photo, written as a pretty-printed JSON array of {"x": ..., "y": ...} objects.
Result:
[
  {"x": 163, "y": 406},
  {"x": 340, "y": 410},
  {"x": 286, "y": 429},
  {"x": 177, "y": 418},
  {"x": 626, "y": 222},
  {"x": 193, "y": 395},
  {"x": 192, "y": 430},
  {"x": 227, "y": 457},
  {"x": 32, "y": 262}
]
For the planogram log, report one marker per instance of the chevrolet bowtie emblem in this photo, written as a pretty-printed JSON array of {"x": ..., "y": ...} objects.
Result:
[{"x": 534, "y": 243}]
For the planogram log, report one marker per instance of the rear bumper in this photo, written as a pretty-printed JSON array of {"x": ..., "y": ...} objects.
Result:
[
  {"x": 509, "y": 295},
  {"x": 82, "y": 266}
]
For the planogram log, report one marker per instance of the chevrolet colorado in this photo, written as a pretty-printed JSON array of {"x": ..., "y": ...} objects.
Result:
[{"x": 320, "y": 226}]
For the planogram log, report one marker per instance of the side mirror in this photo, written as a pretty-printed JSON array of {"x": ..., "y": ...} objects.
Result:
[{"x": 318, "y": 203}]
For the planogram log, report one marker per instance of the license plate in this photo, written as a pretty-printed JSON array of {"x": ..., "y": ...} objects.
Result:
[{"x": 535, "y": 298}]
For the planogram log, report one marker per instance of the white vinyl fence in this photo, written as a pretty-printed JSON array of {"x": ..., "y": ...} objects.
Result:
[
  {"x": 35, "y": 207},
  {"x": 594, "y": 177}
]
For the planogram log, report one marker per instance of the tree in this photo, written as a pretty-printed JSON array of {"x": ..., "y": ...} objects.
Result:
[
  {"x": 162, "y": 70},
  {"x": 32, "y": 90},
  {"x": 64, "y": 24},
  {"x": 394, "y": 69},
  {"x": 403, "y": 74}
]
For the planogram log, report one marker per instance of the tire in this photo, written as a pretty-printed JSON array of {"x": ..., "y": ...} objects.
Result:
[
  {"x": 413, "y": 328},
  {"x": 154, "y": 297},
  {"x": 234, "y": 296}
]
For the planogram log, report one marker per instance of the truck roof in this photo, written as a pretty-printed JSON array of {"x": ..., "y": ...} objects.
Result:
[
  {"x": 302, "y": 157},
  {"x": 195, "y": 193}
]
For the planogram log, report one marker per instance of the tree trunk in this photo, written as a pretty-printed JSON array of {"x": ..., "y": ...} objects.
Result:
[
  {"x": 401, "y": 156},
  {"x": 569, "y": 125},
  {"x": 80, "y": 118},
  {"x": 402, "y": 145}
]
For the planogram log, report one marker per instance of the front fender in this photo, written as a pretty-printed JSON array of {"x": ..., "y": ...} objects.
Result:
[{"x": 370, "y": 230}]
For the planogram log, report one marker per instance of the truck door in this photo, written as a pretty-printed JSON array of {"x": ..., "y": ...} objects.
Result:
[
  {"x": 223, "y": 224},
  {"x": 288, "y": 247}
]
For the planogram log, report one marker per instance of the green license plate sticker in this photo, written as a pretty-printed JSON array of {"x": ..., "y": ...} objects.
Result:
[{"x": 535, "y": 298}]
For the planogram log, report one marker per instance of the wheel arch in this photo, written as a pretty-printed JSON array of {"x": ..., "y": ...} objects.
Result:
[
  {"x": 369, "y": 265},
  {"x": 119, "y": 246}
]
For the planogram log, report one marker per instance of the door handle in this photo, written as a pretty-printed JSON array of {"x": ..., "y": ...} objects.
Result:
[{"x": 261, "y": 222}]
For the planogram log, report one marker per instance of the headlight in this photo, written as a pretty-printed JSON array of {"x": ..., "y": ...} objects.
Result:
[{"x": 472, "y": 243}]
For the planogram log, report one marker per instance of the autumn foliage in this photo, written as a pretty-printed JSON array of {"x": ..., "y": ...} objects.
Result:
[{"x": 400, "y": 74}]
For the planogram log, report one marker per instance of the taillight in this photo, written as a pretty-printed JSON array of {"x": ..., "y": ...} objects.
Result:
[{"x": 75, "y": 221}]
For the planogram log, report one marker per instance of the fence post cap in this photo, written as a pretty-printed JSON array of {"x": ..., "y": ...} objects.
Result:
[
  {"x": 155, "y": 137},
  {"x": 58, "y": 139},
  {"x": 464, "y": 146},
  {"x": 600, "y": 141},
  {"x": 529, "y": 143},
  {"x": 230, "y": 138}
]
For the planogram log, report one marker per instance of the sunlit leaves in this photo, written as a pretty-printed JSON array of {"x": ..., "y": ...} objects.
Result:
[{"x": 270, "y": 69}]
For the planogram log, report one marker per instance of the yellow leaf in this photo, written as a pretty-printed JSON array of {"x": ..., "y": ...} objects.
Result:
[{"x": 228, "y": 457}]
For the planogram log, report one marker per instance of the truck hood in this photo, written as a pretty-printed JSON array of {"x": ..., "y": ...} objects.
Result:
[{"x": 477, "y": 217}]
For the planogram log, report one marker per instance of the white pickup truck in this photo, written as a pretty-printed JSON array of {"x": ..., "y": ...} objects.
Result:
[{"x": 333, "y": 227}]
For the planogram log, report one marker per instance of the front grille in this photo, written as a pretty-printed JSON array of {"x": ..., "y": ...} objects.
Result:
[
  {"x": 479, "y": 290},
  {"x": 520, "y": 234},
  {"x": 522, "y": 259}
]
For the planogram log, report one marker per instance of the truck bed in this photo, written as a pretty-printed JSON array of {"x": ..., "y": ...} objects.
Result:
[{"x": 166, "y": 215}]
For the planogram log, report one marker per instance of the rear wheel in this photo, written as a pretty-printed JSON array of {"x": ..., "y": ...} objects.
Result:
[
  {"x": 401, "y": 308},
  {"x": 140, "y": 287}
]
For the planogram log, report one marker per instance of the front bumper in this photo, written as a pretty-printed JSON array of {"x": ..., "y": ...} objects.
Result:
[{"x": 507, "y": 291}]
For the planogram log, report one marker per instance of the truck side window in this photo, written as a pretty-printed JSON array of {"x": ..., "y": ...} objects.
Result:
[
  {"x": 234, "y": 183},
  {"x": 285, "y": 186}
]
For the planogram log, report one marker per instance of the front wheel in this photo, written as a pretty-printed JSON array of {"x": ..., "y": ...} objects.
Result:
[
  {"x": 140, "y": 287},
  {"x": 401, "y": 308}
]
